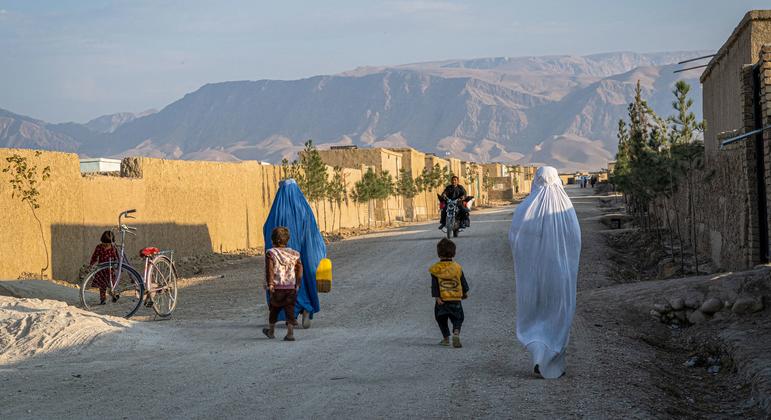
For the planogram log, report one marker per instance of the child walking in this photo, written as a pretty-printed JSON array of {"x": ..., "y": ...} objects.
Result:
[
  {"x": 448, "y": 287},
  {"x": 283, "y": 274},
  {"x": 104, "y": 252}
]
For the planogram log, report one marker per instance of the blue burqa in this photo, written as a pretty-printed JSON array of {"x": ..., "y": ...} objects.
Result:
[{"x": 291, "y": 210}]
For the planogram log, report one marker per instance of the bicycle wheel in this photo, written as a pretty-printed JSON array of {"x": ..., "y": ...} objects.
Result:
[
  {"x": 162, "y": 285},
  {"x": 102, "y": 292}
]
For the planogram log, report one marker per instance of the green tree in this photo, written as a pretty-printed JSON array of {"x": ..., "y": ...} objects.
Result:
[
  {"x": 385, "y": 189},
  {"x": 285, "y": 168},
  {"x": 25, "y": 182},
  {"x": 656, "y": 157},
  {"x": 356, "y": 197},
  {"x": 291, "y": 170},
  {"x": 687, "y": 153},
  {"x": 685, "y": 128},
  {"x": 366, "y": 191},
  {"x": 438, "y": 176},
  {"x": 405, "y": 187},
  {"x": 446, "y": 175},
  {"x": 423, "y": 185},
  {"x": 471, "y": 175},
  {"x": 636, "y": 158},
  {"x": 314, "y": 179},
  {"x": 337, "y": 193}
]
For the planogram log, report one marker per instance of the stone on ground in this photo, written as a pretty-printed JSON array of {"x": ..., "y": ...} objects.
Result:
[
  {"x": 677, "y": 304},
  {"x": 697, "y": 317},
  {"x": 711, "y": 305}
]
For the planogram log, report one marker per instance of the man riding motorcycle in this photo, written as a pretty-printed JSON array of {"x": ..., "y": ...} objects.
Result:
[{"x": 455, "y": 191}]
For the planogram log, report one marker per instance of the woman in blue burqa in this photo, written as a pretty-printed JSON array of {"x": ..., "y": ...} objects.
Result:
[{"x": 291, "y": 210}]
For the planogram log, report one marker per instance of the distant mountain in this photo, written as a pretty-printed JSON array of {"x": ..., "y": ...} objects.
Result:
[
  {"x": 558, "y": 110},
  {"x": 24, "y": 132},
  {"x": 109, "y": 123}
]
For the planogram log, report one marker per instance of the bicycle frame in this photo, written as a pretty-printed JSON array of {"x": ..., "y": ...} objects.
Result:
[
  {"x": 122, "y": 247},
  {"x": 123, "y": 260},
  {"x": 148, "y": 262}
]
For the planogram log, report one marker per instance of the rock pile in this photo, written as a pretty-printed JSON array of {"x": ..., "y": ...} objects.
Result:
[{"x": 691, "y": 310}]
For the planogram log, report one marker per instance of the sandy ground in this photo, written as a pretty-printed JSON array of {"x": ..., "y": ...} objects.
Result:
[{"x": 371, "y": 352}]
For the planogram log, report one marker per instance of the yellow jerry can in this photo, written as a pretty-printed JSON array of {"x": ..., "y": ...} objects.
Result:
[{"x": 324, "y": 276}]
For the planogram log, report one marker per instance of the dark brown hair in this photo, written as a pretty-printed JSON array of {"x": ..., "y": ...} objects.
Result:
[
  {"x": 445, "y": 248},
  {"x": 280, "y": 236},
  {"x": 107, "y": 237}
]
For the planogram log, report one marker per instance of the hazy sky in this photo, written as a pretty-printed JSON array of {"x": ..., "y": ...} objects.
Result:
[{"x": 63, "y": 60}]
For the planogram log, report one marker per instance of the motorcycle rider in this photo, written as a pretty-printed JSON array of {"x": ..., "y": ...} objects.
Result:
[{"x": 455, "y": 191}]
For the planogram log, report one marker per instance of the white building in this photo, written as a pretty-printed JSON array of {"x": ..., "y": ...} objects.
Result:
[{"x": 99, "y": 165}]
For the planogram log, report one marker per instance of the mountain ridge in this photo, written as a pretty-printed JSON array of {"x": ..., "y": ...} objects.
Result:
[{"x": 516, "y": 110}]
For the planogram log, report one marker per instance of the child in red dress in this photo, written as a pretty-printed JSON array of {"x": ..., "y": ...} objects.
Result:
[{"x": 104, "y": 252}]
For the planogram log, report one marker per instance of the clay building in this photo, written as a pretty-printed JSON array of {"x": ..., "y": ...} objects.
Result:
[{"x": 731, "y": 200}]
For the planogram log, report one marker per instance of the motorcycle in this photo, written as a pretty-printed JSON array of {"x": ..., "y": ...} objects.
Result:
[{"x": 453, "y": 223}]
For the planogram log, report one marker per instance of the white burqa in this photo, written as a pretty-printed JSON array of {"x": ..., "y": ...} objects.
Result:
[{"x": 545, "y": 241}]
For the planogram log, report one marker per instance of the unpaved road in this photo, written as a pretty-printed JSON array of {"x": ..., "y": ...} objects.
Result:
[{"x": 371, "y": 352}]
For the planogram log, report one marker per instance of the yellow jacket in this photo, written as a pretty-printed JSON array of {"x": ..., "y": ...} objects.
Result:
[{"x": 448, "y": 281}]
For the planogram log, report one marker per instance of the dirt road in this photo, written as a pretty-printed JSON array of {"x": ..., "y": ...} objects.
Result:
[{"x": 371, "y": 352}]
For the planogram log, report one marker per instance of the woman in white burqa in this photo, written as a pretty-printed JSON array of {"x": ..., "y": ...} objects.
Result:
[{"x": 545, "y": 241}]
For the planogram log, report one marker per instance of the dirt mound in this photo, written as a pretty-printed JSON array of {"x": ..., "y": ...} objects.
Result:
[
  {"x": 40, "y": 289},
  {"x": 30, "y": 327}
]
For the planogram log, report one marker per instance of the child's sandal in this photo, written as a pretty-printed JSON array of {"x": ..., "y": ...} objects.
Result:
[{"x": 456, "y": 341}]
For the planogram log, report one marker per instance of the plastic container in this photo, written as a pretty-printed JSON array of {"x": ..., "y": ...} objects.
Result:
[{"x": 324, "y": 276}]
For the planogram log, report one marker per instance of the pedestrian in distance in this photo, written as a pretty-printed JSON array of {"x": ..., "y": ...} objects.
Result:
[
  {"x": 448, "y": 287},
  {"x": 283, "y": 271}
]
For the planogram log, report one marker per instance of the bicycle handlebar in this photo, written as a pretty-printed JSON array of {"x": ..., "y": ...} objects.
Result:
[
  {"x": 126, "y": 215},
  {"x": 130, "y": 231}
]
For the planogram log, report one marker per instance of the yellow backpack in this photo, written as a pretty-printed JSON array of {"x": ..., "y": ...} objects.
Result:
[{"x": 324, "y": 276}]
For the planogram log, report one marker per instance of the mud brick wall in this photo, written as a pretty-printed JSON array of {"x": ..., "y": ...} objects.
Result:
[
  {"x": 726, "y": 194},
  {"x": 191, "y": 207}
]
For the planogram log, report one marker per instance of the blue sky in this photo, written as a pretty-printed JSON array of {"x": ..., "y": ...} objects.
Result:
[{"x": 67, "y": 60}]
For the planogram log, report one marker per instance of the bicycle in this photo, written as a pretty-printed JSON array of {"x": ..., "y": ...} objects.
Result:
[{"x": 124, "y": 289}]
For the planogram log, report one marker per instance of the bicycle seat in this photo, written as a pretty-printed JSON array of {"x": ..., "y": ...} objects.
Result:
[{"x": 149, "y": 252}]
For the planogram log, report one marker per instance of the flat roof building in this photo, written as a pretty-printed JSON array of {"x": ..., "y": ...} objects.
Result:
[{"x": 99, "y": 165}]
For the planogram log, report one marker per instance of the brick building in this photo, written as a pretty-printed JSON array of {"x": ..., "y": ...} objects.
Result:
[{"x": 731, "y": 201}]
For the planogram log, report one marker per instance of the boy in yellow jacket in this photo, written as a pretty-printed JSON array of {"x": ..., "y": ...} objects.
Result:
[{"x": 448, "y": 287}]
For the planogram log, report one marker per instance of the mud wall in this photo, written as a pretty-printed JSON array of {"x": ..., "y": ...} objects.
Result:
[
  {"x": 189, "y": 206},
  {"x": 725, "y": 205}
]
